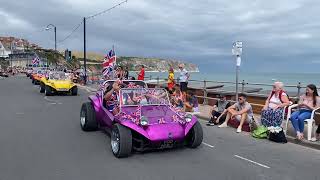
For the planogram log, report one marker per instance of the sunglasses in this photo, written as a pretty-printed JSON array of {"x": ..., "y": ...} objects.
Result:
[{"x": 240, "y": 99}]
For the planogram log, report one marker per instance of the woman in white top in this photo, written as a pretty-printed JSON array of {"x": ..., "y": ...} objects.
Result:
[{"x": 272, "y": 111}]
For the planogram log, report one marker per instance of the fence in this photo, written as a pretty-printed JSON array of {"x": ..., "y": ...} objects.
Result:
[
  {"x": 295, "y": 95},
  {"x": 96, "y": 78}
]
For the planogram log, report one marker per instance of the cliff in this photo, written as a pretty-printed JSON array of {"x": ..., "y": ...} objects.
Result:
[{"x": 151, "y": 64}]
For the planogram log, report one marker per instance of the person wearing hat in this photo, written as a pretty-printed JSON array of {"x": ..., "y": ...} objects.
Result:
[{"x": 219, "y": 110}]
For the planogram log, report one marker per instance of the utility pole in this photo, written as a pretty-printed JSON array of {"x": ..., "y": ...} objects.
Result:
[
  {"x": 84, "y": 51},
  {"x": 11, "y": 56},
  {"x": 55, "y": 38}
]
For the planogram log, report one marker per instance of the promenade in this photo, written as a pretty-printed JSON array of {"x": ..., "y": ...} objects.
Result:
[{"x": 41, "y": 138}]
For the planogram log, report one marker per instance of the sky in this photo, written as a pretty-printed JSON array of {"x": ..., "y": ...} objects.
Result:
[{"x": 277, "y": 35}]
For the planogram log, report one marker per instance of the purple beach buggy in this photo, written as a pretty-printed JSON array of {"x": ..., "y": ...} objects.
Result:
[{"x": 145, "y": 120}]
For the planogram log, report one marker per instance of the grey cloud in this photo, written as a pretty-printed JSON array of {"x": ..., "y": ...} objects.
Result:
[{"x": 204, "y": 30}]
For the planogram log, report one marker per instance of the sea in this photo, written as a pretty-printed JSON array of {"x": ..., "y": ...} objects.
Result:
[{"x": 290, "y": 80}]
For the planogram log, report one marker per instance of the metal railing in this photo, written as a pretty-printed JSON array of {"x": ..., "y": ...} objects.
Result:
[
  {"x": 157, "y": 80},
  {"x": 242, "y": 84}
]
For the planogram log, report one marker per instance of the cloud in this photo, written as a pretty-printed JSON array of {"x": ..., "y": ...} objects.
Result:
[
  {"x": 203, "y": 30},
  {"x": 9, "y": 21}
]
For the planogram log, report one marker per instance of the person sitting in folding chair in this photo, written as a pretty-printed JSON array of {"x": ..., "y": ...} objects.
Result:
[
  {"x": 307, "y": 104},
  {"x": 272, "y": 112}
]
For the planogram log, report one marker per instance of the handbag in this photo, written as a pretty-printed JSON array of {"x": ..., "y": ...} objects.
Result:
[
  {"x": 279, "y": 137},
  {"x": 260, "y": 132}
]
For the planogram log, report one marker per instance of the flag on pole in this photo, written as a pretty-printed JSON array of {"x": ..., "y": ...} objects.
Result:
[
  {"x": 36, "y": 61},
  {"x": 108, "y": 64},
  {"x": 110, "y": 59}
]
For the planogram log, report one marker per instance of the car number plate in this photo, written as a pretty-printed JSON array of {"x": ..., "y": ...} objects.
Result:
[
  {"x": 167, "y": 144},
  {"x": 62, "y": 89}
]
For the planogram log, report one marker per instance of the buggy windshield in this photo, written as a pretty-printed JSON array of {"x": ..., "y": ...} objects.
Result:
[
  {"x": 143, "y": 96},
  {"x": 58, "y": 76}
]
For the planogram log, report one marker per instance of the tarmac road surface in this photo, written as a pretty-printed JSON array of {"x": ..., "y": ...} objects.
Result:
[{"x": 40, "y": 138}]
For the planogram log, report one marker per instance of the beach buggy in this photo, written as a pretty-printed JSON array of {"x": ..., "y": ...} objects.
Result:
[{"x": 145, "y": 120}]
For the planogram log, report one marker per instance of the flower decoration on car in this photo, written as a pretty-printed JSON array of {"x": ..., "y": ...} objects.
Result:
[{"x": 161, "y": 121}]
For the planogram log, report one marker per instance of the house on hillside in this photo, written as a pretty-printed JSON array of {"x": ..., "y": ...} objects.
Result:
[{"x": 4, "y": 51}]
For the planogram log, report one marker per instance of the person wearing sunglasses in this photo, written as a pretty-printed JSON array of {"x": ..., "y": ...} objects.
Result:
[
  {"x": 241, "y": 111},
  {"x": 272, "y": 112}
]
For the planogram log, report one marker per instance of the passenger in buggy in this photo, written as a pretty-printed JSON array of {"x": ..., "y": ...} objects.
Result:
[{"x": 111, "y": 97}]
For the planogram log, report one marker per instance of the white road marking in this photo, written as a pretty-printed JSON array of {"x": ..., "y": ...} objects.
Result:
[
  {"x": 19, "y": 113},
  {"x": 51, "y": 101},
  {"x": 259, "y": 164},
  {"x": 207, "y": 144}
]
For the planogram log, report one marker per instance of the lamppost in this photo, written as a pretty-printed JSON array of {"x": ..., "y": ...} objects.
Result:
[
  {"x": 237, "y": 51},
  {"x": 50, "y": 26},
  {"x": 13, "y": 43}
]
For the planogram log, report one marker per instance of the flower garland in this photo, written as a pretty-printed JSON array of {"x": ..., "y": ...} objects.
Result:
[{"x": 276, "y": 129}]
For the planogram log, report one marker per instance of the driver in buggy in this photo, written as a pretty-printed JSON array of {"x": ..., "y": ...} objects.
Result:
[{"x": 110, "y": 97}]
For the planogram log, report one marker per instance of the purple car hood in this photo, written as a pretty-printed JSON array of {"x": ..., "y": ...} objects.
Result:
[{"x": 164, "y": 123}]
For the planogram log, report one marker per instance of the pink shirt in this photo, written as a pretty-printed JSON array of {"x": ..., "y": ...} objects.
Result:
[{"x": 308, "y": 100}]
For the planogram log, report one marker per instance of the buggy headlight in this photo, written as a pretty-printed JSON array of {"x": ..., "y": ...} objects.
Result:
[
  {"x": 144, "y": 121},
  {"x": 188, "y": 117}
]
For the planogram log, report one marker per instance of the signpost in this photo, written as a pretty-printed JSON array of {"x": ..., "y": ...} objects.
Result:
[{"x": 237, "y": 51}]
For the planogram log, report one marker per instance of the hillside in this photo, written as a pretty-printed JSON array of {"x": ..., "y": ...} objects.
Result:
[{"x": 151, "y": 64}]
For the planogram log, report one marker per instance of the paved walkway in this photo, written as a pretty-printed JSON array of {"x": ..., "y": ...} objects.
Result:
[{"x": 205, "y": 114}]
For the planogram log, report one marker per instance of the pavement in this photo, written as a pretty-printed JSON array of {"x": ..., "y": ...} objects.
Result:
[
  {"x": 205, "y": 112},
  {"x": 41, "y": 138}
]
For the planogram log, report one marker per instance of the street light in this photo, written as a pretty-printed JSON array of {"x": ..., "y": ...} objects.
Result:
[
  {"x": 49, "y": 27},
  {"x": 237, "y": 51}
]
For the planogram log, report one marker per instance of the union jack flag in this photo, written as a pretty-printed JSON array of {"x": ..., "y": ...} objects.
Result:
[
  {"x": 35, "y": 60},
  {"x": 133, "y": 85},
  {"x": 175, "y": 118},
  {"x": 108, "y": 64},
  {"x": 137, "y": 113},
  {"x": 109, "y": 59}
]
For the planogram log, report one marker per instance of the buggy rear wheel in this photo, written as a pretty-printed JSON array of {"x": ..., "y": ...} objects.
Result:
[
  {"x": 74, "y": 91},
  {"x": 42, "y": 88},
  {"x": 195, "y": 136},
  {"x": 48, "y": 91},
  {"x": 88, "y": 120},
  {"x": 121, "y": 141}
]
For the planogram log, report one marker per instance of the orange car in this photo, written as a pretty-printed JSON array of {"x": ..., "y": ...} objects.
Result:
[{"x": 37, "y": 75}]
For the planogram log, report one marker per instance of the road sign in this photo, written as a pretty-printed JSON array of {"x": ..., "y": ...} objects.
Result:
[{"x": 237, "y": 48}]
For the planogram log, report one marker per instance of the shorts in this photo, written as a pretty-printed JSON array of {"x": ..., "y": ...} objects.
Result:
[
  {"x": 248, "y": 119},
  {"x": 183, "y": 86}
]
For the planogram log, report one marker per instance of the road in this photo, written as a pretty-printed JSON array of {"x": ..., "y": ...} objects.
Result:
[{"x": 41, "y": 138}]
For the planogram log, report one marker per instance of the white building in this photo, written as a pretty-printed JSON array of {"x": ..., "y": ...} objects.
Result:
[{"x": 4, "y": 52}]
